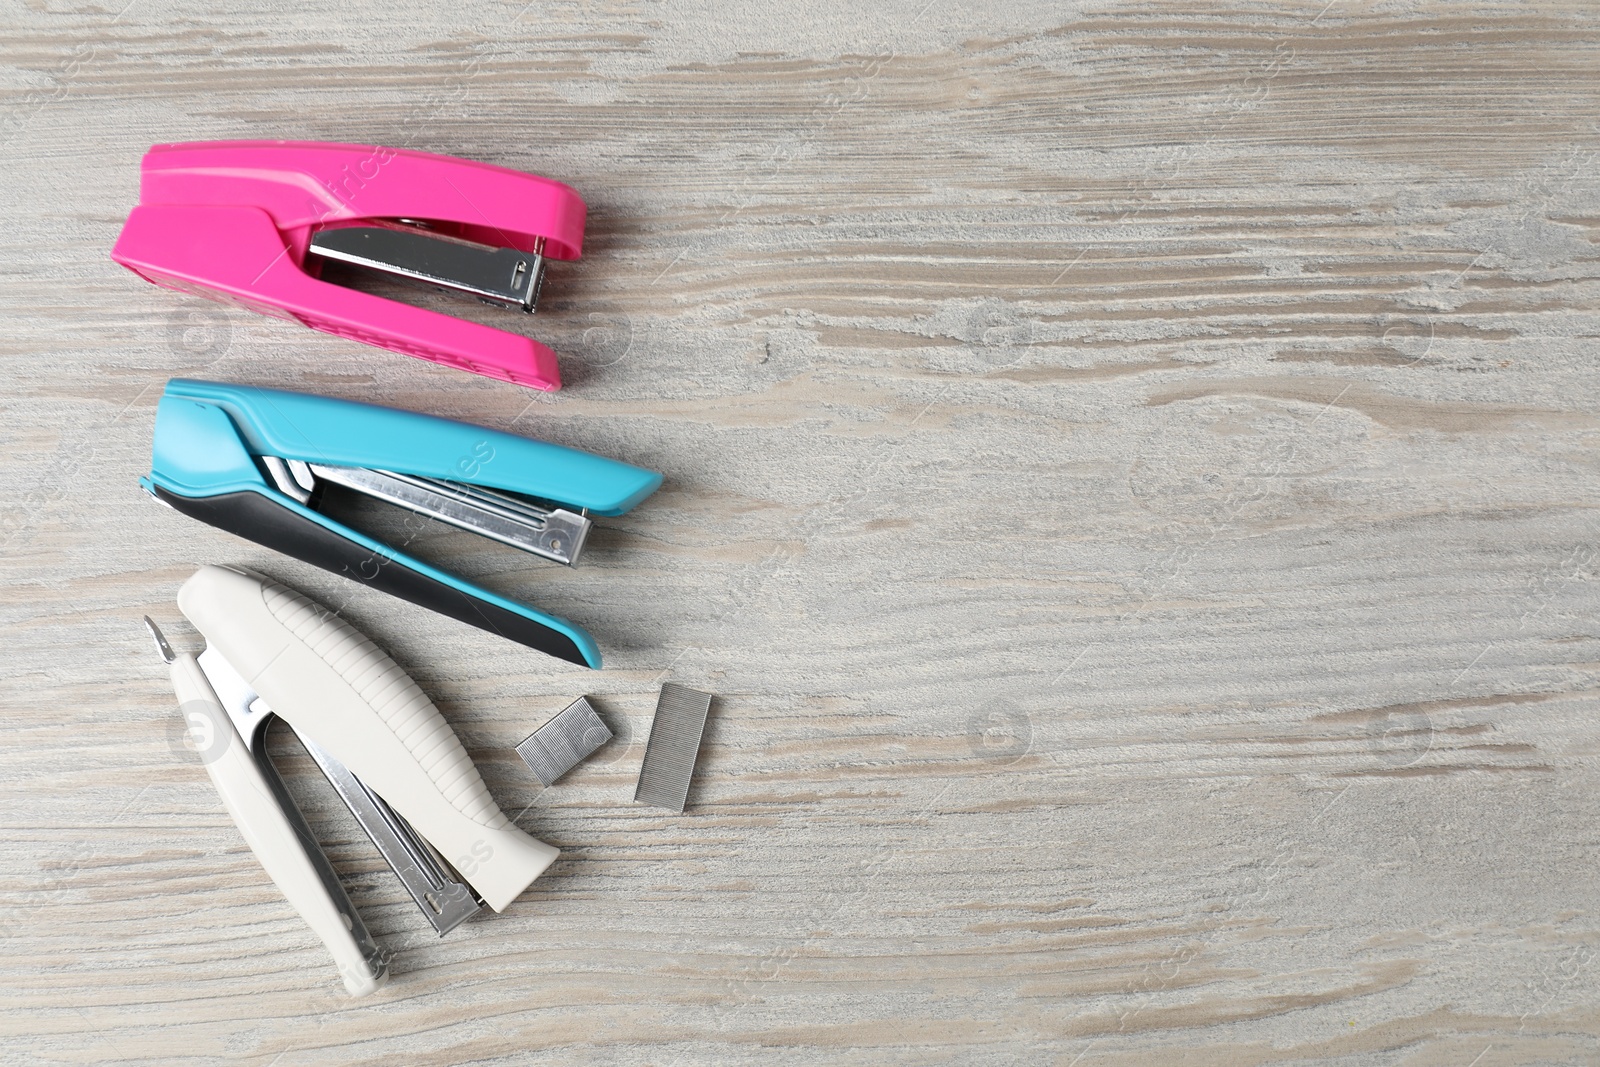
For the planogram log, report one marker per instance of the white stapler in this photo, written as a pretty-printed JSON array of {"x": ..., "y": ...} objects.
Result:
[{"x": 379, "y": 739}]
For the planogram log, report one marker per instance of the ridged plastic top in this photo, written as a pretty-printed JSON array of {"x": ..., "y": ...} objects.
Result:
[
  {"x": 303, "y": 184},
  {"x": 347, "y": 433}
]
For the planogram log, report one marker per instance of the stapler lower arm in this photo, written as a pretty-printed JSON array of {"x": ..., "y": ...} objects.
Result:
[
  {"x": 297, "y": 531},
  {"x": 272, "y": 828}
]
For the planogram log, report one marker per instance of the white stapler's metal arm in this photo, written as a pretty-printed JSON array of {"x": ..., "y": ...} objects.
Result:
[
  {"x": 268, "y": 831},
  {"x": 335, "y": 687}
]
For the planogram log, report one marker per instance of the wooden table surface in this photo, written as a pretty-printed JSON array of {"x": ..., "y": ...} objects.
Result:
[{"x": 1131, "y": 483}]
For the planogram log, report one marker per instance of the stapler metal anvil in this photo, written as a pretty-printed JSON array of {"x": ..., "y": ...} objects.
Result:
[
  {"x": 255, "y": 462},
  {"x": 379, "y": 739},
  {"x": 250, "y": 223}
]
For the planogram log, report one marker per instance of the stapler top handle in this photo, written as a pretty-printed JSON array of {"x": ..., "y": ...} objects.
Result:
[{"x": 349, "y": 433}]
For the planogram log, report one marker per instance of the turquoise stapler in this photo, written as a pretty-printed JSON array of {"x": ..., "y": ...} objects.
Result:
[{"x": 255, "y": 462}]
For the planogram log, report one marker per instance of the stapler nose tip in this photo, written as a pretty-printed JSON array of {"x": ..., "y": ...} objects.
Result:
[{"x": 164, "y": 649}]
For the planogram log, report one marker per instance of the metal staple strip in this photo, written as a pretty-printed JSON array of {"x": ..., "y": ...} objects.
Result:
[{"x": 669, "y": 755}]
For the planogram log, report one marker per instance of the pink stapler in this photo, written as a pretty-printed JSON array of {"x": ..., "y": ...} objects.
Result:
[{"x": 251, "y": 223}]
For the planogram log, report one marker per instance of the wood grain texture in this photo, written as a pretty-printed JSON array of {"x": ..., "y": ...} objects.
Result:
[{"x": 1131, "y": 482}]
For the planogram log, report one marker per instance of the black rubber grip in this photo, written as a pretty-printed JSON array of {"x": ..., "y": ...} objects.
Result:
[{"x": 266, "y": 522}]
